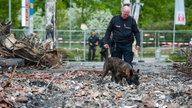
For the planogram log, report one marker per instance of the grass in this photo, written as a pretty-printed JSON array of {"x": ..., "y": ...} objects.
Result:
[
  {"x": 150, "y": 51},
  {"x": 77, "y": 51}
]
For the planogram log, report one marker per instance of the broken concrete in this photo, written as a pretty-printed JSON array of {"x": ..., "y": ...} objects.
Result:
[{"x": 75, "y": 85}]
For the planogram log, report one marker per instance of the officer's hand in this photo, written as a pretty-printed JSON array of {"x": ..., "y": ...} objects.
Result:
[
  {"x": 106, "y": 45},
  {"x": 96, "y": 43},
  {"x": 137, "y": 47}
]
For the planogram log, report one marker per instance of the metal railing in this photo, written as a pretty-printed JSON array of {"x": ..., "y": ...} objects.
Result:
[{"x": 155, "y": 39}]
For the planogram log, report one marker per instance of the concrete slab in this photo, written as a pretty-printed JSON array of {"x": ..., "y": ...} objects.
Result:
[{"x": 11, "y": 62}]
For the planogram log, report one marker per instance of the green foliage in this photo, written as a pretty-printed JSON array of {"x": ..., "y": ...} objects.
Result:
[
  {"x": 61, "y": 15},
  {"x": 113, "y": 5},
  {"x": 15, "y": 10},
  {"x": 4, "y": 10},
  {"x": 39, "y": 4},
  {"x": 150, "y": 51},
  {"x": 39, "y": 21},
  {"x": 178, "y": 56},
  {"x": 155, "y": 14},
  {"x": 71, "y": 54},
  {"x": 97, "y": 21}
]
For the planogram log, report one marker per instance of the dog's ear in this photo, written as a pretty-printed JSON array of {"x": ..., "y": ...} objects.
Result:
[{"x": 138, "y": 72}]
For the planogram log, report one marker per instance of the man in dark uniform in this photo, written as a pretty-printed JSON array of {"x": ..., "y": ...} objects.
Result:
[
  {"x": 124, "y": 29},
  {"x": 93, "y": 42}
]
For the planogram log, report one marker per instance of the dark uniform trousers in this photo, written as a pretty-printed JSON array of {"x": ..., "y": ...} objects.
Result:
[
  {"x": 119, "y": 50},
  {"x": 92, "y": 50}
]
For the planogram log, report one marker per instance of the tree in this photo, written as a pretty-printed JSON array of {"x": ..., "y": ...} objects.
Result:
[
  {"x": 61, "y": 15},
  {"x": 38, "y": 19},
  {"x": 155, "y": 14},
  {"x": 113, "y": 5},
  {"x": 4, "y": 12},
  {"x": 99, "y": 19}
]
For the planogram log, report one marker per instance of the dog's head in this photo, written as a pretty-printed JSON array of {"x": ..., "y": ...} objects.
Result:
[{"x": 134, "y": 77}]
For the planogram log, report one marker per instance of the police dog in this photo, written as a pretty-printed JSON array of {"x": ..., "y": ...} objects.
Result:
[{"x": 120, "y": 69}]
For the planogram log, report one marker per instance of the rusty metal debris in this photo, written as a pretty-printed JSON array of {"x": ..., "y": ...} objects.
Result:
[
  {"x": 186, "y": 66},
  {"x": 27, "y": 48}
]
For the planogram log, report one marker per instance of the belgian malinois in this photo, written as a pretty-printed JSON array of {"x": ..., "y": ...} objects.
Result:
[{"x": 120, "y": 69}]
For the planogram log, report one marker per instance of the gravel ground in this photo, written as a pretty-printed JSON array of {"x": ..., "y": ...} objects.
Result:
[{"x": 74, "y": 85}]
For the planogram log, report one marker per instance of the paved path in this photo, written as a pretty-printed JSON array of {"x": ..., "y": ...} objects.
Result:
[{"x": 145, "y": 66}]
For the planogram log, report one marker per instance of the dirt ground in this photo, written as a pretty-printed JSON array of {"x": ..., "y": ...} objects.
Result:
[{"x": 74, "y": 85}]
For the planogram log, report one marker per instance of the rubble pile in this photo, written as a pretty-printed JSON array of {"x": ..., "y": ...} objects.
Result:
[
  {"x": 28, "y": 48},
  {"x": 185, "y": 67},
  {"x": 77, "y": 87}
]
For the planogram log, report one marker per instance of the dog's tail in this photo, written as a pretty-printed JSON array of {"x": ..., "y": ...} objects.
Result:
[{"x": 103, "y": 52}]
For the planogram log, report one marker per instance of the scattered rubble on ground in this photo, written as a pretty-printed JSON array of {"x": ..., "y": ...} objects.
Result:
[{"x": 76, "y": 86}]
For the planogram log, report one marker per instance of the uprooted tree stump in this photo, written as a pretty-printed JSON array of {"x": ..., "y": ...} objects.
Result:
[
  {"x": 27, "y": 48},
  {"x": 185, "y": 67}
]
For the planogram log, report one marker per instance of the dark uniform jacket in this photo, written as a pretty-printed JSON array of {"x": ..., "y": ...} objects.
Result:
[
  {"x": 92, "y": 41},
  {"x": 123, "y": 30},
  {"x": 101, "y": 42}
]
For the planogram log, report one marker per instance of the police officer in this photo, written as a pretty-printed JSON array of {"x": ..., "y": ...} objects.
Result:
[
  {"x": 93, "y": 42},
  {"x": 124, "y": 29}
]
